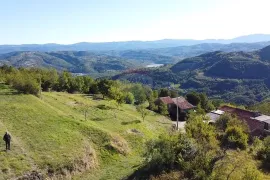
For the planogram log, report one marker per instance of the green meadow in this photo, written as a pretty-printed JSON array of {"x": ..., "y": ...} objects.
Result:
[{"x": 73, "y": 136}]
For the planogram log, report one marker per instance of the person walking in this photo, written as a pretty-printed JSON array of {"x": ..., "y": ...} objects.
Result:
[{"x": 7, "y": 139}]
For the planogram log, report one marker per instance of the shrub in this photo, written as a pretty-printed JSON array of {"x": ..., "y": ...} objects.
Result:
[
  {"x": 24, "y": 83},
  {"x": 129, "y": 98},
  {"x": 235, "y": 137}
]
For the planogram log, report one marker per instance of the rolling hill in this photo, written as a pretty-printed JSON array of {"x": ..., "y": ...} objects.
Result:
[
  {"x": 51, "y": 138},
  {"x": 240, "y": 77},
  {"x": 73, "y": 61},
  {"x": 238, "y": 65}
]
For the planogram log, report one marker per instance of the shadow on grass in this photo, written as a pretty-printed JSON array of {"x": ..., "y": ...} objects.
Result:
[
  {"x": 98, "y": 119},
  {"x": 5, "y": 90},
  {"x": 144, "y": 172},
  {"x": 131, "y": 122},
  {"x": 9, "y": 92},
  {"x": 104, "y": 107}
]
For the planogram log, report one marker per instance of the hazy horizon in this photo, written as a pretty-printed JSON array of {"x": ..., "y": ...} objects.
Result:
[{"x": 69, "y": 22}]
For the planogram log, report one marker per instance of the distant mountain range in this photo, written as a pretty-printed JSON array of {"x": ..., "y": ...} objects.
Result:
[
  {"x": 172, "y": 55},
  {"x": 130, "y": 45}
]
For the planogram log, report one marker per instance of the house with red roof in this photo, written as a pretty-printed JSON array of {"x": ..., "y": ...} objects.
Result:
[
  {"x": 172, "y": 104},
  {"x": 259, "y": 124}
]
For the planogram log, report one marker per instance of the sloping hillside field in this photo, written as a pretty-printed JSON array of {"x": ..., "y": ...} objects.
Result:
[{"x": 72, "y": 136}]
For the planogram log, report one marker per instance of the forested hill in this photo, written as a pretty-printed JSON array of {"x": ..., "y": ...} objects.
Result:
[
  {"x": 74, "y": 61},
  {"x": 103, "y": 63},
  {"x": 240, "y": 77},
  {"x": 238, "y": 65}
]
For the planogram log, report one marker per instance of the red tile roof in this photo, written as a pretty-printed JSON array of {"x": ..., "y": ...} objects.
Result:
[
  {"x": 166, "y": 100},
  {"x": 182, "y": 103},
  {"x": 245, "y": 115}
]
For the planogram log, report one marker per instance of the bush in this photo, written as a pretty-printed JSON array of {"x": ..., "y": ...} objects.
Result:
[
  {"x": 169, "y": 152},
  {"x": 129, "y": 98},
  {"x": 202, "y": 132},
  {"x": 24, "y": 83},
  {"x": 264, "y": 153},
  {"x": 235, "y": 137}
]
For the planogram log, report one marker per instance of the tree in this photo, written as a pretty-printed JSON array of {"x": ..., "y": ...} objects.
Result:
[
  {"x": 142, "y": 110},
  {"x": 85, "y": 109},
  {"x": 173, "y": 94},
  {"x": 164, "y": 92},
  {"x": 104, "y": 86},
  {"x": 88, "y": 81},
  {"x": 93, "y": 89},
  {"x": 63, "y": 81},
  {"x": 116, "y": 94},
  {"x": 129, "y": 98},
  {"x": 139, "y": 93},
  {"x": 152, "y": 106},
  {"x": 163, "y": 109},
  {"x": 49, "y": 79},
  {"x": 193, "y": 98}
]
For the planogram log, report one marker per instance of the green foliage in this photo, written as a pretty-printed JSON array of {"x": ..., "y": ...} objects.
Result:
[
  {"x": 201, "y": 101},
  {"x": 93, "y": 89},
  {"x": 104, "y": 86},
  {"x": 129, "y": 98},
  {"x": 163, "y": 109},
  {"x": 64, "y": 81},
  {"x": 200, "y": 110},
  {"x": 87, "y": 83},
  {"x": 222, "y": 122},
  {"x": 262, "y": 107},
  {"x": 202, "y": 132},
  {"x": 48, "y": 79},
  {"x": 116, "y": 94},
  {"x": 160, "y": 154},
  {"x": 193, "y": 98},
  {"x": 142, "y": 110},
  {"x": 61, "y": 139},
  {"x": 164, "y": 92},
  {"x": 251, "y": 173},
  {"x": 217, "y": 102},
  {"x": 235, "y": 137},
  {"x": 264, "y": 153},
  {"x": 139, "y": 93},
  {"x": 24, "y": 82}
]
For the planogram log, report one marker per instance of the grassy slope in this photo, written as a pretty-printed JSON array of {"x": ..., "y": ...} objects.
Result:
[{"x": 51, "y": 133}]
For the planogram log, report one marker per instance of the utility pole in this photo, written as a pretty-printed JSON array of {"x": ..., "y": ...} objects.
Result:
[{"x": 177, "y": 113}]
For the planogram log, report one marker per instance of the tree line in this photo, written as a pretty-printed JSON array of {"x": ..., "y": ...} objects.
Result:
[{"x": 35, "y": 80}]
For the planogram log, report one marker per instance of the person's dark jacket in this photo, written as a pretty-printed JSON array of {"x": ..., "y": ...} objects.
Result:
[{"x": 7, "y": 137}]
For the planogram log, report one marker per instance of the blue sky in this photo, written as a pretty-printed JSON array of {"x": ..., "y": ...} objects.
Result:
[{"x": 70, "y": 21}]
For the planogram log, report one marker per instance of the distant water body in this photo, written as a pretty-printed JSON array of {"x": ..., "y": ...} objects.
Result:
[{"x": 154, "y": 65}]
